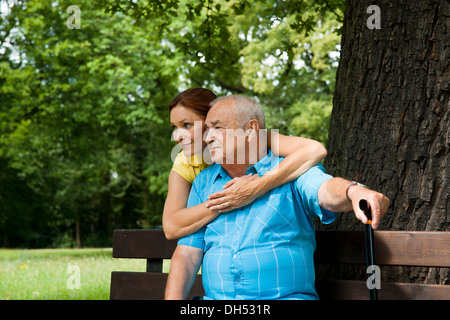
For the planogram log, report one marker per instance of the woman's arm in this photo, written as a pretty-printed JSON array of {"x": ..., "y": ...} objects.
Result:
[
  {"x": 300, "y": 155},
  {"x": 179, "y": 221}
]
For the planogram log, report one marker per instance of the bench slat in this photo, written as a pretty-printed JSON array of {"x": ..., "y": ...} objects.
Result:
[
  {"x": 142, "y": 244},
  {"x": 151, "y": 286},
  {"x": 407, "y": 248},
  {"x": 145, "y": 286},
  {"x": 402, "y": 248},
  {"x": 357, "y": 290}
]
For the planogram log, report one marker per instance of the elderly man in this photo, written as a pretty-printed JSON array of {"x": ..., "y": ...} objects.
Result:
[{"x": 265, "y": 249}]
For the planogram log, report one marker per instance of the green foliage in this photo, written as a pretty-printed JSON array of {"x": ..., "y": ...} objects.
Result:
[
  {"x": 84, "y": 134},
  {"x": 81, "y": 106}
]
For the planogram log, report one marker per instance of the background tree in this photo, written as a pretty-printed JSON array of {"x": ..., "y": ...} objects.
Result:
[
  {"x": 83, "y": 124},
  {"x": 391, "y": 114},
  {"x": 283, "y": 53}
]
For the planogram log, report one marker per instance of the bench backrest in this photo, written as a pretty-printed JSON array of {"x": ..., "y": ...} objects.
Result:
[{"x": 395, "y": 248}]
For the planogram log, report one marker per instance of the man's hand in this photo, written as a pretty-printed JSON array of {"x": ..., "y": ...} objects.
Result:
[
  {"x": 332, "y": 196},
  {"x": 378, "y": 204}
]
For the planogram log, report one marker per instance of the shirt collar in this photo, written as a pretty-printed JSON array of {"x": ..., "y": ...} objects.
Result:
[
  {"x": 265, "y": 164},
  {"x": 261, "y": 167}
]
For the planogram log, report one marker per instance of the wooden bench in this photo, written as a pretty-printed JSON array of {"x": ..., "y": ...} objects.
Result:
[{"x": 392, "y": 248}]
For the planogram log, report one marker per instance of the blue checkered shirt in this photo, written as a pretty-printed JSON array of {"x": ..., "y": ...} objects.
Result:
[{"x": 265, "y": 249}]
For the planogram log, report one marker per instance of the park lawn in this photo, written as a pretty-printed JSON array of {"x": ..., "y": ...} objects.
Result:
[{"x": 51, "y": 274}]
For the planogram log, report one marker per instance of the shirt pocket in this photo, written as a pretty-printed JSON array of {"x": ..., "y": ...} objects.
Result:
[{"x": 274, "y": 219}]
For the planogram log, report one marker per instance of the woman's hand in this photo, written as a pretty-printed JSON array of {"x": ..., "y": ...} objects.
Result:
[{"x": 238, "y": 192}]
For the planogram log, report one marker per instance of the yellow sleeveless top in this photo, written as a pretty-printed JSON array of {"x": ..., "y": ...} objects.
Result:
[{"x": 189, "y": 168}]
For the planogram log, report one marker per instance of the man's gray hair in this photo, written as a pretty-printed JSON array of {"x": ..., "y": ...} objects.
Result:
[{"x": 245, "y": 109}]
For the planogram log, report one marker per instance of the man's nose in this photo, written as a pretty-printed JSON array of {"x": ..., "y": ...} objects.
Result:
[{"x": 209, "y": 136}]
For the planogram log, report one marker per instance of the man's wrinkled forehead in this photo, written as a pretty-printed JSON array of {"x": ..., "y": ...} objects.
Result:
[{"x": 220, "y": 114}]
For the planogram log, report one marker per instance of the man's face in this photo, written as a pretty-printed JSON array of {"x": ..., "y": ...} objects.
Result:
[{"x": 226, "y": 142}]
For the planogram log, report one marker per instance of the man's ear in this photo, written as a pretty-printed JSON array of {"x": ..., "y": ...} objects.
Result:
[{"x": 251, "y": 129}]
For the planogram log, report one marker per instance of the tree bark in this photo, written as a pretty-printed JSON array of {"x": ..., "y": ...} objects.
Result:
[
  {"x": 389, "y": 127},
  {"x": 78, "y": 231}
]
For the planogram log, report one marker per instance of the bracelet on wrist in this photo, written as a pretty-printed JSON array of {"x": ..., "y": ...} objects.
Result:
[{"x": 354, "y": 183}]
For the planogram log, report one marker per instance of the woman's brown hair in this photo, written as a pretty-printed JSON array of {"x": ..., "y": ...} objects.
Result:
[{"x": 197, "y": 99}]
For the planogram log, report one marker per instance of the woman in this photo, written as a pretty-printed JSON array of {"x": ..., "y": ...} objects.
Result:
[{"x": 191, "y": 107}]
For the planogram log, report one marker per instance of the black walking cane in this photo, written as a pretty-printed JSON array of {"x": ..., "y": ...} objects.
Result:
[{"x": 370, "y": 256}]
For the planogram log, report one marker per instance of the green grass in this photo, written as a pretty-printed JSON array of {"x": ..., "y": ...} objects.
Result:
[{"x": 50, "y": 273}]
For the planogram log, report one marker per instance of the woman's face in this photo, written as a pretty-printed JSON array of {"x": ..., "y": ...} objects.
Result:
[{"x": 189, "y": 128}]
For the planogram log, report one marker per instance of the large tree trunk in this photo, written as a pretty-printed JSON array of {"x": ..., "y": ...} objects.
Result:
[{"x": 389, "y": 126}]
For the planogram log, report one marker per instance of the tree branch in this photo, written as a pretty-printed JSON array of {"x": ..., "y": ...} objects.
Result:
[{"x": 238, "y": 89}]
